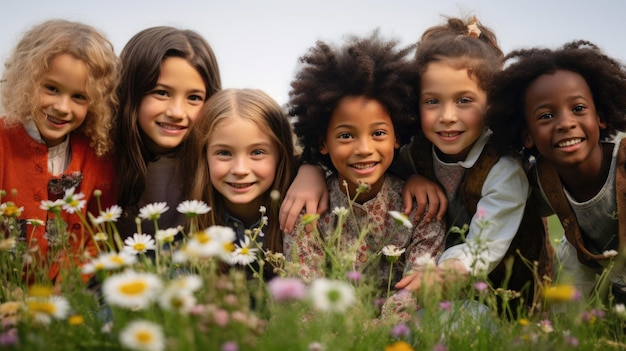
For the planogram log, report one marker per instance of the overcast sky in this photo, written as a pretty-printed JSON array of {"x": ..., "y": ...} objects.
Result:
[{"x": 258, "y": 42}]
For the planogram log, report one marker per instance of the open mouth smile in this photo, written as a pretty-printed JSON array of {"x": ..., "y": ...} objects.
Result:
[{"x": 569, "y": 142}]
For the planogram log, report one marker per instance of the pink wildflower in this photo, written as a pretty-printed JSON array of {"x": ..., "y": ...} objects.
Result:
[
  {"x": 480, "y": 286},
  {"x": 286, "y": 289},
  {"x": 354, "y": 276},
  {"x": 400, "y": 330},
  {"x": 230, "y": 346},
  {"x": 445, "y": 305}
]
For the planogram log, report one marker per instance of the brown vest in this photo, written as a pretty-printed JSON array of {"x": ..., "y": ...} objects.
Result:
[
  {"x": 553, "y": 189},
  {"x": 530, "y": 243}
]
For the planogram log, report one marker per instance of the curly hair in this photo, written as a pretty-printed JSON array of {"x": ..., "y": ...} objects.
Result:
[
  {"x": 141, "y": 66},
  {"x": 454, "y": 44},
  {"x": 259, "y": 108},
  {"x": 371, "y": 67},
  {"x": 605, "y": 77},
  {"x": 30, "y": 61}
]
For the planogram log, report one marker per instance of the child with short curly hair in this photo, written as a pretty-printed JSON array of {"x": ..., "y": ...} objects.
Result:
[
  {"x": 353, "y": 109},
  {"x": 58, "y": 95},
  {"x": 562, "y": 106}
]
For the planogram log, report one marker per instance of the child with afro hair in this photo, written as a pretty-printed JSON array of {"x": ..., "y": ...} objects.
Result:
[
  {"x": 564, "y": 107},
  {"x": 354, "y": 109}
]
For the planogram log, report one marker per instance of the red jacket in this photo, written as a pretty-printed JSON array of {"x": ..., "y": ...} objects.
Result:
[{"x": 24, "y": 167}]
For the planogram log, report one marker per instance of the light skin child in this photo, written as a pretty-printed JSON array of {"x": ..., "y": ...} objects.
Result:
[
  {"x": 452, "y": 106},
  {"x": 457, "y": 62},
  {"x": 167, "y": 111},
  {"x": 58, "y": 95},
  {"x": 242, "y": 165},
  {"x": 167, "y": 76},
  {"x": 243, "y": 148}
]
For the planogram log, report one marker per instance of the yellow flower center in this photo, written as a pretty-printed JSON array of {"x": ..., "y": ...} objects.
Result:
[
  {"x": 40, "y": 291},
  {"x": 10, "y": 210},
  {"x": 117, "y": 259},
  {"x": 144, "y": 337},
  {"x": 133, "y": 288},
  {"x": 229, "y": 247},
  {"x": 202, "y": 237},
  {"x": 139, "y": 246},
  {"x": 44, "y": 307},
  {"x": 74, "y": 203},
  {"x": 76, "y": 320},
  {"x": 559, "y": 293},
  {"x": 245, "y": 251}
]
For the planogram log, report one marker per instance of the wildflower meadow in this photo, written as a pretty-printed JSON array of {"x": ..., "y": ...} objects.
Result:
[{"x": 197, "y": 289}]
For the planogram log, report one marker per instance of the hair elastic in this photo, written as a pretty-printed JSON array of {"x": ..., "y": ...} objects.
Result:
[{"x": 472, "y": 28}]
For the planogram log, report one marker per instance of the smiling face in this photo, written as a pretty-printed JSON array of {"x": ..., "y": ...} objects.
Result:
[
  {"x": 360, "y": 141},
  {"x": 242, "y": 164},
  {"x": 452, "y": 109},
  {"x": 561, "y": 119},
  {"x": 167, "y": 111},
  {"x": 63, "y": 99}
]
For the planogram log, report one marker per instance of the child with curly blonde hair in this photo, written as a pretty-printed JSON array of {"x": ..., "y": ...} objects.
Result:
[{"x": 58, "y": 97}]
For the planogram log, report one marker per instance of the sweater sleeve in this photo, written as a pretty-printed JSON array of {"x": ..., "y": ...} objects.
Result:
[{"x": 497, "y": 219}]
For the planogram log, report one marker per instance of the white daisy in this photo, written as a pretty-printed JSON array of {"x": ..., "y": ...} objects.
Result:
[
  {"x": 192, "y": 208},
  {"x": 401, "y": 218},
  {"x": 51, "y": 206},
  {"x": 340, "y": 211},
  {"x": 187, "y": 282},
  {"x": 177, "y": 300},
  {"x": 108, "y": 261},
  {"x": 142, "y": 335},
  {"x": 620, "y": 310},
  {"x": 153, "y": 211},
  {"x": 392, "y": 251},
  {"x": 100, "y": 236},
  {"x": 112, "y": 214},
  {"x": 73, "y": 202},
  {"x": 213, "y": 241},
  {"x": 244, "y": 254},
  {"x": 425, "y": 261},
  {"x": 139, "y": 243},
  {"x": 9, "y": 209},
  {"x": 166, "y": 235},
  {"x": 332, "y": 295},
  {"x": 43, "y": 309},
  {"x": 35, "y": 222},
  {"x": 130, "y": 289}
]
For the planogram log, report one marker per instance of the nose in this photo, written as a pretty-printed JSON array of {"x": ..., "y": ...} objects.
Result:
[
  {"x": 240, "y": 166},
  {"x": 448, "y": 114},
  {"x": 175, "y": 109},
  {"x": 364, "y": 146},
  {"x": 566, "y": 121},
  {"x": 62, "y": 104}
]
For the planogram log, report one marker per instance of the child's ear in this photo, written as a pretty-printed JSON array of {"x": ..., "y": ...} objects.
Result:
[
  {"x": 601, "y": 123},
  {"x": 527, "y": 139},
  {"x": 323, "y": 148},
  {"x": 397, "y": 144}
]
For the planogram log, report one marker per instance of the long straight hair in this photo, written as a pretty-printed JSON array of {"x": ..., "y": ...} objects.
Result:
[
  {"x": 141, "y": 65},
  {"x": 259, "y": 108}
]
